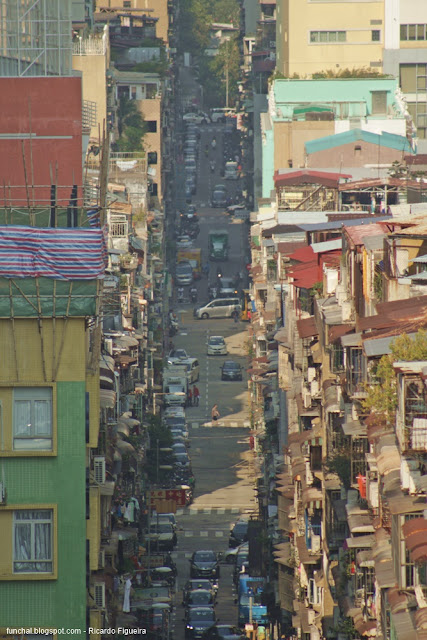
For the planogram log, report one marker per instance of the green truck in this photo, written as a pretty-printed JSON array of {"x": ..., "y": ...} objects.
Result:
[{"x": 218, "y": 245}]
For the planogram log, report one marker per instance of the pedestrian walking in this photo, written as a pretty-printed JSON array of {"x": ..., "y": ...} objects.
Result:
[
  {"x": 196, "y": 396},
  {"x": 189, "y": 397},
  {"x": 235, "y": 315},
  {"x": 215, "y": 413}
]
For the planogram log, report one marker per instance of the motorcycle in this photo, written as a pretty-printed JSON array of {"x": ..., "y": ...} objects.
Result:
[
  {"x": 180, "y": 295},
  {"x": 213, "y": 144},
  {"x": 193, "y": 295},
  {"x": 212, "y": 163}
]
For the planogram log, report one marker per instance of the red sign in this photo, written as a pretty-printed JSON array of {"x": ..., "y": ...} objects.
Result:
[{"x": 178, "y": 495}]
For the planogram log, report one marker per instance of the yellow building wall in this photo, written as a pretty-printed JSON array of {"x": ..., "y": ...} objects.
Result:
[
  {"x": 155, "y": 9},
  {"x": 152, "y": 110},
  {"x": 92, "y": 386},
  {"x": 290, "y": 137},
  {"x": 93, "y": 527},
  {"x": 94, "y": 85},
  {"x": 25, "y": 347},
  {"x": 6, "y": 527},
  {"x": 298, "y": 55}
]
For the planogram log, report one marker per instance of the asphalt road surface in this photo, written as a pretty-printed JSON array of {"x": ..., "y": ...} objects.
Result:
[{"x": 221, "y": 459}]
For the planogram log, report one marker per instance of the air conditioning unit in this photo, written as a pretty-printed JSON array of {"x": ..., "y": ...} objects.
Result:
[
  {"x": 101, "y": 559},
  {"x": 99, "y": 594},
  {"x": 272, "y": 44},
  {"x": 315, "y": 544},
  {"x": 99, "y": 469},
  {"x": 108, "y": 343},
  {"x": 306, "y": 397},
  {"x": 314, "y": 388}
]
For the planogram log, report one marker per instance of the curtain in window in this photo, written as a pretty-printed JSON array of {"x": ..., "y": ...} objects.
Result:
[
  {"x": 33, "y": 541},
  {"x": 42, "y": 419},
  {"x": 22, "y": 411}
]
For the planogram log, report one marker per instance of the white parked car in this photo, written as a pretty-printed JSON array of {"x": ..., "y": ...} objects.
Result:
[
  {"x": 196, "y": 118},
  {"x": 216, "y": 346}
]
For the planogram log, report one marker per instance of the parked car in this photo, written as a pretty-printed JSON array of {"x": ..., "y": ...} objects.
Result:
[
  {"x": 204, "y": 564},
  {"x": 229, "y": 556},
  {"x": 196, "y": 118},
  {"x": 161, "y": 536},
  {"x": 218, "y": 308},
  {"x": 231, "y": 371},
  {"x": 197, "y": 620},
  {"x": 184, "y": 242},
  {"x": 176, "y": 354},
  {"x": 216, "y": 346},
  {"x": 164, "y": 517},
  {"x": 184, "y": 273},
  {"x": 238, "y": 533},
  {"x": 178, "y": 448}
]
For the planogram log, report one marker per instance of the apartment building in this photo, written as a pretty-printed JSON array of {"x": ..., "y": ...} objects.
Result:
[
  {"x": 134, "y": 13},
  {"x": 315, "y": 36},
  {"x": 405, "y": 57},
  {"x": 302, "y": 111}
]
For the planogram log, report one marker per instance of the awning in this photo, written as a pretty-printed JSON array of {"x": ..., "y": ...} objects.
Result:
[
  {"x": 339, "y": 330},
  {"x": 332, "y": 403},
  {"x": 354, "y": 428},
  {"x": 352, "y": 340},
  {"x": 359, "y": 523},
  {"x": 307, "y": 328},
  {"x": 365, "y": 559},
  {"x": 361, "y": 542},
  {"x": 415, "y": 532},
  {"x": 284, "y": 554},
  {"x": 107, "y": 398}
]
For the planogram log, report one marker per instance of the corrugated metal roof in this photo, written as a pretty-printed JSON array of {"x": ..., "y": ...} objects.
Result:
[
  {"x": 422, "y": 259},
  {"x": 351, "y": 340},
  {"x": 307, "y": 327},
  {"x": 330, "y": 245},
  {"x": 356, "y": 235},
  {"x": 384, "y": 139},
  {"x": 338, "y": 224}
]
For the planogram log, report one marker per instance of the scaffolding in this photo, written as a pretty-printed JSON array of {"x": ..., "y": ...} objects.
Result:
[{"x": 35, "y": 38}]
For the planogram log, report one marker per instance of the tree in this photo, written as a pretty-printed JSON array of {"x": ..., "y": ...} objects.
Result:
[
  {"x": 131, "y": 126},
  {"x": 226, "y": 67},
  {"x": 381, "y": 400}
]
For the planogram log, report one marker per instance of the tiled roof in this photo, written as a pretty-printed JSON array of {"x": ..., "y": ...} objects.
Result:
[{"x": 304, "y": 176}]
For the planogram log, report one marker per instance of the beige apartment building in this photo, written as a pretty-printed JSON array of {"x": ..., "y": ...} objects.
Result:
[
  {"x": 153, "y": 8},
  {"x": 91, "y": 56},
  {"x": 318, "y": 35}
]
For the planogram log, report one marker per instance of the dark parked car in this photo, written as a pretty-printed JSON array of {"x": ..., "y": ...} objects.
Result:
[
  {"x": 197, "y": 620},
  {"x": 200, "y": 598},
  {"x": 204, "y": 564},
  {"x": 231, "y": 370},
  {"x": 238, "y": 534},
  {"x": 223, "y": 632}
]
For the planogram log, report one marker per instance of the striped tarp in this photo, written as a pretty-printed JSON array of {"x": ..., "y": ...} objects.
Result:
[{"x": 63, "y": 254}]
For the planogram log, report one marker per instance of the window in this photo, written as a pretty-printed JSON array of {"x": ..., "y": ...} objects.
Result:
[
  {"x": 379, "y": 102},
  {"x": 32, "y": 541},
  {"x": 126, "y": 4},
  {"x": 32, "y": 418},
  {"x": 152, "y": 157},
  {"x": 413, "y": 32},
  {"x": 418, "y": 111},
  {"x": 375, "y": 35},
  {"x": 328, "y": 36},
  {"x": 151, "y": 126},
  {"x": 133, "y": 93}
]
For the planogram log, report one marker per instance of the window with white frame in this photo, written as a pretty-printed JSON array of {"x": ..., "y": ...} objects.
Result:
[
  {"x": 32, "y": 541},
  {"x": 32, "y": 418},
  {"x": 328, "y": 36}
]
